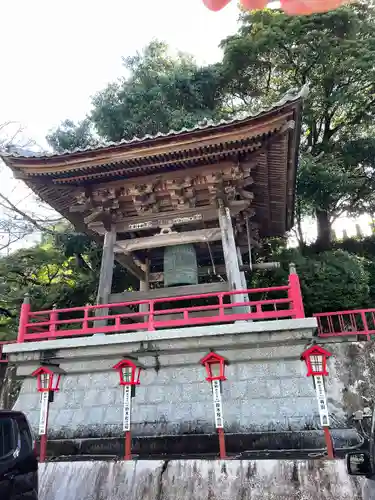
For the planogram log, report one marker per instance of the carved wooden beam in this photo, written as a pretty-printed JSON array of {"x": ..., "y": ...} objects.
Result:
[
  {"x": 188, "y": 216},
  {"x": 180, "y": 192},
  {"x": 165, "y": 240}
]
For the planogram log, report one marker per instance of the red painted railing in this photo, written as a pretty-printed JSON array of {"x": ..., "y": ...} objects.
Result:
[
  {"x": 345, "y": 323},
  {"x": 81, "y": 321}
]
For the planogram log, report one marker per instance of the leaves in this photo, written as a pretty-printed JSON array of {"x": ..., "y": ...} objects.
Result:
[
  {"x": 48, "y": 276},
  {"x": 334, "y": 53},
  {"x": 330, "y": 281},
  {"x": 70, "y": 136},
  {"x": 161, "y": 94},
  {"x": 327, "y": 183}
]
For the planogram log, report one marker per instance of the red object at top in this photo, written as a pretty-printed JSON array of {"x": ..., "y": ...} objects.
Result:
[
  {"x": 315, "y": 358},
  {"x": 215, "y": 366},
  {"x": 291, "y": 7},
  {"x": 48, "y": 378}
]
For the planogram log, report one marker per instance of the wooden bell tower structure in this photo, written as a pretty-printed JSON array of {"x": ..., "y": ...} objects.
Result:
[{"x": 216, "y": 189}]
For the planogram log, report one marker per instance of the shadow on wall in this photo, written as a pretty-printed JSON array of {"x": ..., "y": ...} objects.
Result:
[
  {"x": 368, "y": 491},
  {"x": 9, "y": 386},
  {"x": 198, "y": 479}
]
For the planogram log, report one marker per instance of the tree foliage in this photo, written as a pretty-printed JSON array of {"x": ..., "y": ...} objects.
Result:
[
  {"x": 270, "y": 54},
  {"x": 328, "y": 187},
  {"x": 62, "y": 271},
  {"x": 334, "y": 54},
  {"x": 47, "y": 276},
  {"x": 69, "y": 136},
  {"x": 161, "y": 93}
]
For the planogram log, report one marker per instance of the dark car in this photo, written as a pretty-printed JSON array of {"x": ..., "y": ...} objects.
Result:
[{"x": 18, "y": 462}]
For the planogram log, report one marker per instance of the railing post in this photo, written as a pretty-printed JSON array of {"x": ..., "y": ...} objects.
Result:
[
  {"x": 85, "y": 322},
  {"x": 151, "y": 326},
  {"x": 221, "y": 306},
  {"x": 365, "y": 325},
  {"x": 294, "y": 293},
  {"x": 24, "y": 319},
  {"x": 52, "y": 319}
]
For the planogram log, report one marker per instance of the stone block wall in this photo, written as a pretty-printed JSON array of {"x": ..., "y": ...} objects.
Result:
[
  {"x": 266, "y": 388},
  {"x": 268, "y": 394}
]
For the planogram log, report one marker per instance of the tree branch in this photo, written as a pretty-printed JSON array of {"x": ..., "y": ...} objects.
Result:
[
  {"x": 353, "y": 121},
  {"x": 25, "y": 216}
]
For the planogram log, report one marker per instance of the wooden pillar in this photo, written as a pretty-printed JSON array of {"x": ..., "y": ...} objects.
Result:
[
  {"x": 230, "y": 256},
  {"x": 243, "y": 277},
  {"x": 240, "y": 262},
  {"x": 106, "y": 274},
  {"x": 144, "y": 286}
]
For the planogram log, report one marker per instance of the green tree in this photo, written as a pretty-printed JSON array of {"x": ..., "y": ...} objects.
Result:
[
  {"x": 69, "y": 136},
  {"x": 330, "y": 281},
  {"x": 62, "y": 271},
  {"x": 48, "y": 276},
  {"x": 329, "y": 187},
  {"x": 160, "y": 93},
  {"x": 334, "y": 53}
]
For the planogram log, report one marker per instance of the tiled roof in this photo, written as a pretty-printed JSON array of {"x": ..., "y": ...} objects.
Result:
[{"x": 291, "y": 96}]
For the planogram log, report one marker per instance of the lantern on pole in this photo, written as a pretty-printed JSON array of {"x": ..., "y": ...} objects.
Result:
[
  {"x": 215, "y": 369},
  {"x": 48, "y": 382},
  {"x": 315, "y": 358},
  {"x": 129, "y": 374}
]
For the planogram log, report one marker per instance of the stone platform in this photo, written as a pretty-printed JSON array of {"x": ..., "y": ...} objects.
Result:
[{"x": 266, "y": 397}]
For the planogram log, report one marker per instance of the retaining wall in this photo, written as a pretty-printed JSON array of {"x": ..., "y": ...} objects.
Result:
[
  {"x": 266, "y": 391},
  {"x": 202, "y": 480}
]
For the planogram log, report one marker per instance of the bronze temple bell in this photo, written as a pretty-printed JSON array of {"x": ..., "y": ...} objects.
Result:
[{"x": 180, "y": 265}]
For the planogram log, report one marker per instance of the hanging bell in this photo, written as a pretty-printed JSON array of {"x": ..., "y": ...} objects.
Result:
[{"x": 180, "y": 265}]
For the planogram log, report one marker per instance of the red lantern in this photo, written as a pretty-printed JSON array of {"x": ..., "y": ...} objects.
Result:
[
  {"x": 129, "y": 371},
  {"x": 48, "y": 378},
  {"x": 215, "y": 366},
  {"x": 316, "y": 360}
]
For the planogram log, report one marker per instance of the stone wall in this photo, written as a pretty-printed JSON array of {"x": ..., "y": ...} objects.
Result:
[
  {"x": 266, "y": 389},
  {"x": 201, "y": 480}
]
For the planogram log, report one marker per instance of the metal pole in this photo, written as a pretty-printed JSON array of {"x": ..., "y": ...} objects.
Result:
[
  {"x": 222, "y": 450},
  {"x": 329, "y": 444},
  {"x": 249, "y": 243},
  {"x": 128, "y": 446}
]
